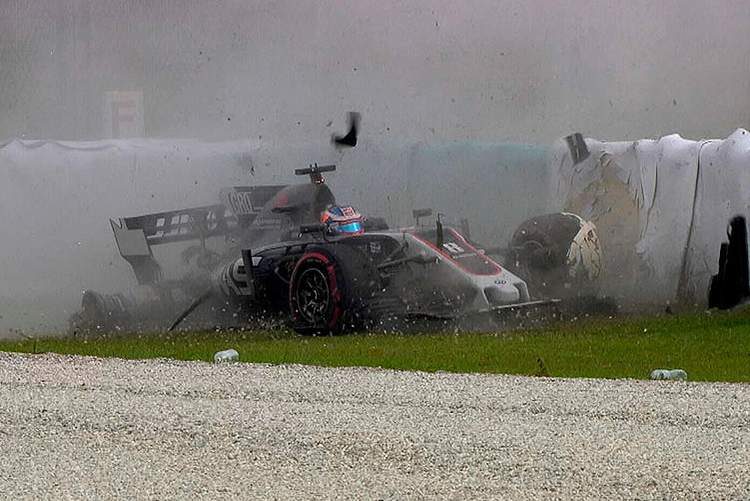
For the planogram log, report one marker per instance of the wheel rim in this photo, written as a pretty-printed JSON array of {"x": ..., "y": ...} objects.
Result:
[{"x": 313, "y": 296}]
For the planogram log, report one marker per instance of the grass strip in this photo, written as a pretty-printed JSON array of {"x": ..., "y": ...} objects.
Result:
[{"x": 709, "y": 346}]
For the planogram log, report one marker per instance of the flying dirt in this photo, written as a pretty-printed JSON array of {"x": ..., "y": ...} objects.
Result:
[{"x": 291, "y": 253}]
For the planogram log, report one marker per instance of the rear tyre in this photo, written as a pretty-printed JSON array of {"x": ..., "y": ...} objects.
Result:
[
  {"x": 100, "y": 313},
  {"x": 330, "y": 290}
]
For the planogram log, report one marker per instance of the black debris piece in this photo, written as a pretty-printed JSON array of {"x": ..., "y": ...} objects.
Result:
[
  {"x": 577, "y": 146},
  {"x": 350, "y": 139},
  {"x": 731, "y": 286}
]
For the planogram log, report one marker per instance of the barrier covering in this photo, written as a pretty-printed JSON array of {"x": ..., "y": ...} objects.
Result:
[{"x": 661, "y": 207}]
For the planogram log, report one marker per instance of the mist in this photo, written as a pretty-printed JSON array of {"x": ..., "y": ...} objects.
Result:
[
  {"x": 280, "y": 72},
  {"x": 459, "y": 105}
]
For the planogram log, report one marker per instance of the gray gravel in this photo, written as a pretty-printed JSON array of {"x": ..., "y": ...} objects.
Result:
[{"x": 79, "y": 427}]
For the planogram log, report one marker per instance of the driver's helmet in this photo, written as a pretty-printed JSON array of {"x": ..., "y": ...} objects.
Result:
[{"x": 342, "y": 220}]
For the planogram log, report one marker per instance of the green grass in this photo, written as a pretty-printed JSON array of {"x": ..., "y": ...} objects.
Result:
[{"x": 710, "y": 347}]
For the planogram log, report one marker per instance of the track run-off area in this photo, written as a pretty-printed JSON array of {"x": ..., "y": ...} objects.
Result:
[{"x": 85, "y": 427}]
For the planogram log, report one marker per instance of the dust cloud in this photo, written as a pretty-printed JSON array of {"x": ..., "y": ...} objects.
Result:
[
  {"x": 253, "y": 89},
  {"x": 524, "y": 71}
]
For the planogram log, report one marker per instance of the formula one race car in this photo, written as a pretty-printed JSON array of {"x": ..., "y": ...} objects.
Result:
[{"x": 291, "y": 253}]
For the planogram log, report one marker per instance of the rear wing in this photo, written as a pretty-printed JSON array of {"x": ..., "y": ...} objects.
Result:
[
  {"x": 174, "y": 226},
  {"x": 135, "y": 235}
]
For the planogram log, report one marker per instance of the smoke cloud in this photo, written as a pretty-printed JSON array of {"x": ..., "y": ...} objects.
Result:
[
  {"x": 525, "y": 71},
  {"x": 440, "y": 86}
]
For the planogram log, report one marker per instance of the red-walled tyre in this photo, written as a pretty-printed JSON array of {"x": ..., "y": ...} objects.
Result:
[{"x": 329, "y": 290}]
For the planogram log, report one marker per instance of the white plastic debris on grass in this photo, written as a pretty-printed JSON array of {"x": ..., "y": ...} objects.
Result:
[
  {"x": 661, "y": 208},
  {"x": 223, "y": 356},
  {"x": 669, "y": 374}
]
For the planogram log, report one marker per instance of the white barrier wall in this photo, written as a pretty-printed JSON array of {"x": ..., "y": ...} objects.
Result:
[
  {"x": 56, "y": 199},
  {"x": 723, "y": 192},
  {"x": 661, "y": 206}
]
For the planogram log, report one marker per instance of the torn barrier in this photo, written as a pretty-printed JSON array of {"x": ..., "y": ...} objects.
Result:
[{"x": 660, "y": 206}]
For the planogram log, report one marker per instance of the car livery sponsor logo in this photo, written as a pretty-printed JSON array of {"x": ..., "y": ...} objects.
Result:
[
  {"x": 459, "y": 251},
  {"x": 233, "y": 279},
  {"x": 453, "y": 248},
  {"x": 240, "y": 202},
  {"x": 182, "y": 223}
]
